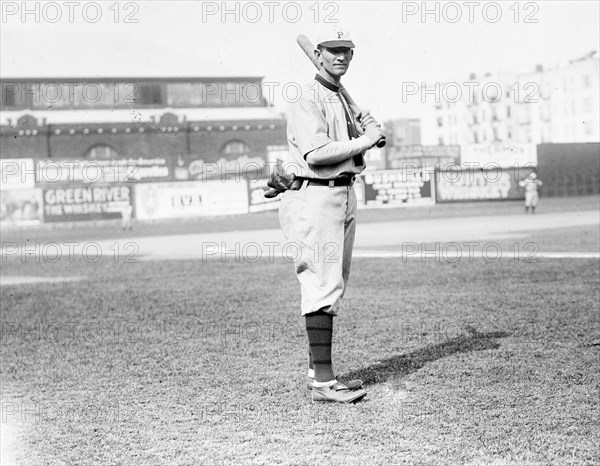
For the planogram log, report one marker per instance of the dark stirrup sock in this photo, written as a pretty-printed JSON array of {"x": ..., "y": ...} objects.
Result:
[{"x": 319, "y": 327}]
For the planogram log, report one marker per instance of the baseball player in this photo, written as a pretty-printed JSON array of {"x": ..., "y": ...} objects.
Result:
[
  {"x": 318, "y": 213},
  {"x": 531, "y": 185},
  {"x": 126, "y": 213}
]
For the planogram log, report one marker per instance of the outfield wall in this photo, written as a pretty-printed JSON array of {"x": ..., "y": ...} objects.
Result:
[
  {"x": 569, "y": 169},
  {"x": 53, "y": 191}
]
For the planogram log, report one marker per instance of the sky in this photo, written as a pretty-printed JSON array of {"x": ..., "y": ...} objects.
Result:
[{"x": 395, "y": 44}]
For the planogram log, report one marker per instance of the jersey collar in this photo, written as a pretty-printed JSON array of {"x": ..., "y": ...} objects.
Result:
[{"x": 321, "y": 80}]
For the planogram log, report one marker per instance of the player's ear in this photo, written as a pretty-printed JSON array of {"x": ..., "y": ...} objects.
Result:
[
  {"x": 351, "y": 54},
  {"x": 317, "y": 53}
]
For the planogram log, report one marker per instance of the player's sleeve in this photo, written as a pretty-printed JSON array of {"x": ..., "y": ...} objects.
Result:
[
  {"x": 309, "y": 125},
  {"x": 338, "y": 151}
]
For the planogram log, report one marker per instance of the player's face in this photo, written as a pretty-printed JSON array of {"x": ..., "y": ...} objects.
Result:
[{"x": 336, "y": 60}]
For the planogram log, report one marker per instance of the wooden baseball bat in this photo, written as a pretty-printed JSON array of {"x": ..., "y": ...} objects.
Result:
[{"x": 309, "y": 49}]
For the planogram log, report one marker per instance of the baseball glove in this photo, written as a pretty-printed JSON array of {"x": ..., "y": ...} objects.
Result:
[{"x": 280, "y": 183}]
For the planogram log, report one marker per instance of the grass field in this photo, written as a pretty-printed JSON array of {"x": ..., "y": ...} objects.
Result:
[{"x": 191, "y": 362}]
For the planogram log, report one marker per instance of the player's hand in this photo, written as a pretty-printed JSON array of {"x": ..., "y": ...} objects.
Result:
[
  {"x": 374, "y": 133},
  {"x": 367, "y": 119}
]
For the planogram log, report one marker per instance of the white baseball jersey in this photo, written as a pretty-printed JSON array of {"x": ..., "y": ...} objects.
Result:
[
  {"x": 316, "y": 119},
  {"x": 319, "y": 222}
]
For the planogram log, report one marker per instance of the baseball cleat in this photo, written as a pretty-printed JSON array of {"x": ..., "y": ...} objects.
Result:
[
  {"x": 337, "y": 393},
  {"x": 351, "y": 385}
]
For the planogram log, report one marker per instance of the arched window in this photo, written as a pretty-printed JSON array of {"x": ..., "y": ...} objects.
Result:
[
  {"x": 235, "y": 149},
  {"x": 101, "y": 152}
]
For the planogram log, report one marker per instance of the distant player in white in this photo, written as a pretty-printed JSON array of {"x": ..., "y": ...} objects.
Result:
[
  {"x": 126, "y": 214},
  {"x": 531, "y": 185}
]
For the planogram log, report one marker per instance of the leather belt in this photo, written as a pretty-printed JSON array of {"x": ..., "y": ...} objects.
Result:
[{"x": 341, "y": 181}]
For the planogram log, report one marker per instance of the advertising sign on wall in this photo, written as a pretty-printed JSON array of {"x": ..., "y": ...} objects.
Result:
[
  {"x": 76, "y": 203},
  {"x": 22, "y": 207},
  {"x": 399, "y": 157},
  {"x": 392, "y": 188},
  {"x": 498, "y": 154},
  {"x": 52, "y": 172},
  {"x": 196, "y": 168},
  {"x": 190, "y": 199},
  {"x": 479, "y": 185},
  {"x": 16, "y": 174}
]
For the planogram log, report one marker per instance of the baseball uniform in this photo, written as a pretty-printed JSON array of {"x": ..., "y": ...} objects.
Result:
[
  {"x": 531, "y": 185},
  {"x": 320, "y": 220},
  {"x": 318, "y": 214}
]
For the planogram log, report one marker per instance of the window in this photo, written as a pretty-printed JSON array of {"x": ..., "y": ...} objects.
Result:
[
  {"x": 440, "y": 122},
  {"x": 150, "y": 94},
  {"x": 101, "y": 152},
  {"x": 587, "y": 81},
  {"x": 440, "y": 141},
  {"x": 235, "y": 148},
  {"x": 507, "y": 112},
  {"x": 587, "y": 105}
]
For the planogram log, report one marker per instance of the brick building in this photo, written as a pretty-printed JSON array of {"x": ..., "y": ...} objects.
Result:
[{"x": 178, "y": 119}]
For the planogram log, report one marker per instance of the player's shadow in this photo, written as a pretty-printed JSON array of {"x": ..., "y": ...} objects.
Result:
[{"x": 403, "y": 364}]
